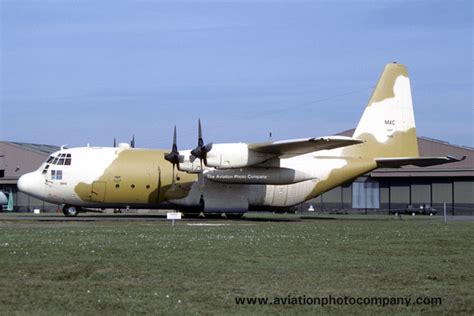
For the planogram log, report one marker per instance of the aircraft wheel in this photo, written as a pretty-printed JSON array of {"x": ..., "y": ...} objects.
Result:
[{"x": 71, "y": 210}]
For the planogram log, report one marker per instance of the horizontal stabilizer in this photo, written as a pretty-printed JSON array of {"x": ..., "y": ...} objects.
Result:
[
  {"x": 419, "y": 162},
  {"x": 304, "y": 146}
]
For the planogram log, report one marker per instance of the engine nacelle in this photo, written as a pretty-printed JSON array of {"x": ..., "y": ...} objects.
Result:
[
  {"x": 188, "y": 162},
  {"x": 234, "y": 155},
  {"x": 223, "y": 156}
]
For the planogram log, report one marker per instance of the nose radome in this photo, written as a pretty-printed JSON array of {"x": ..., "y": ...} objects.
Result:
[
  {"x": 27, "y": 184},
  {"x": 22, "y": 183}
]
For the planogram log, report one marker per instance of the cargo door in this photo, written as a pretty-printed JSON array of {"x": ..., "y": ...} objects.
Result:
[
  {"x": 279, "y": 195},
  {"x": 98, "y": 191}
]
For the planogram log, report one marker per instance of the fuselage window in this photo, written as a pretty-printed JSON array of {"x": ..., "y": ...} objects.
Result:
[{"x": 56, "y": 174}]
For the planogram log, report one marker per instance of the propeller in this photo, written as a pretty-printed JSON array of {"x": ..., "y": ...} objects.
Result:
[
  {"x": 173, "y": 156},
  {"x": 201, "y": 150}
]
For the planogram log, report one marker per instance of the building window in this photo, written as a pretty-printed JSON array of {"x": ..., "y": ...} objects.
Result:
[{"x": 365, "y": 195}]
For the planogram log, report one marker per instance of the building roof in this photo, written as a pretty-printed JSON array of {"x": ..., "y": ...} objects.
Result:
[
  {"x": 38, "y": 148},
  {"x": 429, "y": 147},
  {"x": 18, "y": 158}
]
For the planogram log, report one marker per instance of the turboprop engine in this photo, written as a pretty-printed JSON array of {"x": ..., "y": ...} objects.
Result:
[
  {"x": 220, "y": 156},
  {"x": 223, "y": 156}
]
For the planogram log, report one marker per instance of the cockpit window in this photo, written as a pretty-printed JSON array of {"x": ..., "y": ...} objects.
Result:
[
  {"x": 45, "y": 169},
  {"x": 61, "y": 159}
]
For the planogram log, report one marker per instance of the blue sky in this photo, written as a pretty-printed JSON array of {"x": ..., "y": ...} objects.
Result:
[{"x": 78, "y": 72}]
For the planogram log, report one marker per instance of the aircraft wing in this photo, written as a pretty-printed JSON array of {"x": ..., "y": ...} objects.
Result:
[
  {"x": 419, "y": 162},
  {"x": 304, "y": 145}
]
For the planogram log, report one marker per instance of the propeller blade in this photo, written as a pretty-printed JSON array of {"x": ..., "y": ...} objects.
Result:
[
  {"x": 175, "y": 146},
  {"x": 173, "y": 179},
  {"x": 201, "y": 150},
  {"x": 200, "y": 140},
  {"x": 173, "y": 157}
]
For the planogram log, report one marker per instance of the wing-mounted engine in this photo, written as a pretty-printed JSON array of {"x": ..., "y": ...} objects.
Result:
[
  {"x": 236, "y": 155},
  {"x": 241, "y": 155},
  {"x": 223, "y": 156},
  {"x": 189, "y": 163},
  {"x": 220, "y": 156}
]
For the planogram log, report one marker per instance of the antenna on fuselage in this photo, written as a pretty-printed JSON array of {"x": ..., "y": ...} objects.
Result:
[
  {"x": 115, "y": 142},
  {"x": 132, "y": 142}
]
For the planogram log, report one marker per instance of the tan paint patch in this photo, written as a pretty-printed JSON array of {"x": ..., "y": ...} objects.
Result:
[
  {"x": 400, "y": 144},
  {"x": 139, "y": 176},
  {"x": 354, "y": 168},
  {"x": 384, "y": 88}
]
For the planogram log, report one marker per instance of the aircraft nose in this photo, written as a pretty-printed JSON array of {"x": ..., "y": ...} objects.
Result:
[
  {"x": 23, "y": 183},
  {"x": 28, "y": 183}
]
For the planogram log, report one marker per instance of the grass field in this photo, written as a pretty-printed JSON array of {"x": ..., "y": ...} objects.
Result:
[{"x": 150, "y": 267}]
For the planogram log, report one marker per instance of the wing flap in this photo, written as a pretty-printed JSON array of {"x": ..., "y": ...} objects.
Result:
[
  {"x": 304, "y": 145},
  {"x": 419, "y": 162}
]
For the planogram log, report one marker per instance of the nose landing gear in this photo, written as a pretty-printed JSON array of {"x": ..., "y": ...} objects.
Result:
[{"x": 71, "y": 210}]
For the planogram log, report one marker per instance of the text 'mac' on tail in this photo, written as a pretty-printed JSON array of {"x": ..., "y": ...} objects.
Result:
[{"x": 388, "y": 124}]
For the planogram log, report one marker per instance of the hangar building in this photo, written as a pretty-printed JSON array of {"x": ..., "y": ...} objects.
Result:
[
  {"x": 16, "y": 159},
  {"x": 380, "y": 191},
  {"x": 384, "y": 190}
]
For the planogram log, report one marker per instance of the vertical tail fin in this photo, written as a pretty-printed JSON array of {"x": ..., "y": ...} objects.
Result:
[{"x": 388, "y": 122}]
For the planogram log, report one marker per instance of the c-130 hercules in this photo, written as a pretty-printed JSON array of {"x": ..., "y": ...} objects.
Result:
[{"x": 236, "y": 177}]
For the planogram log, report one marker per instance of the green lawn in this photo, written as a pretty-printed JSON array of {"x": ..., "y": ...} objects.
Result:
[{"x": 150, "y": 267}]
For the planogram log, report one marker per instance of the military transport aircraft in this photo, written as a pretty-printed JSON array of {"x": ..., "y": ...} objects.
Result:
[{"x": 236, "y": 177}]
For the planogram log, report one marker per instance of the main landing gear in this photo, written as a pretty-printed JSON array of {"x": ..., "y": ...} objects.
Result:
[{"x": 71, "y": 210}]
